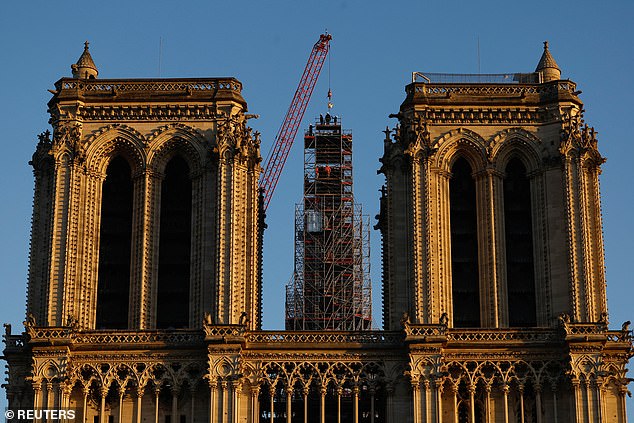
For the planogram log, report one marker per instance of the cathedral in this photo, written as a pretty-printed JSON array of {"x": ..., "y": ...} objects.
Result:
[{"x": 145, "y": 272}]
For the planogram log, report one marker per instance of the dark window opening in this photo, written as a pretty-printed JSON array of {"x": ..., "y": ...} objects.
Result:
[
  {"x": 172, "y": 309},
  {"x": 520, "y": 273},
  {"x": 464, "y": 246},
  {"x": 115, "y": 238}
]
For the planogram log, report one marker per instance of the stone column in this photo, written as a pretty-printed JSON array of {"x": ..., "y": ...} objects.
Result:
[
  {"x": 439, "y": 390},
  {"x": 427, "y": 415},
  {"x": 538, "y": 402},
  {"x": 121, "y": 391},
  {"x": 505, "y": 390},
  {"x": 389, "y": 408},
  {"x": 50, "y": 396},
  {"x": 600, "y": 405},
  {"x": 355, "y": 403},
  {"x": 588, "y": 400},
  {"x": 255, "y": 404},
  {"x": 454, "y": 392},
  {"x": 213, "y": 406},
  {"x": 492, "y": 292},
  {"x": 521, "y": 389},
  {"x": 272, "y": 396},
  {"x": 553, "y": 388},
  {"x": 487, "y": 390},
  {"x": 472, "y": 389},
  {"x": 372, "y": 393},
  {"x": 305, "y": 392},
  {"x": 175, "y": 392},
  {"x": 38, "y": 398},
  {"x": 289, "y": 404},
  {"x": 622, "y": 393},
  {"x": 416, "y": 400},
  {"x": 66, "y": 391},
  {"x": 322, "y": 413},
  {"x": 37, "y": 394},
  {"x": 577, "y": 403},
  {"x": 139, "y": 400},
  {"x": 102, "y": 407},
  {"x": 157, "y": 393},
  {"x": 86, "y": 391},
  {"x": 235, "y": 407},
  {"x": 59, "y": 395},
  {"x": 223, "y": 401},
  {"x": 339, "y": 391},
  {"x": 192, "y": 393}
]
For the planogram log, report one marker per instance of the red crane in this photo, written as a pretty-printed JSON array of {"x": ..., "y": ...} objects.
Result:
[{"x": 286, "y": 135}]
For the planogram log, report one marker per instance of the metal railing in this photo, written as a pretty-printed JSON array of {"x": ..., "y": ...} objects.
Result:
[{"x": 477, "y": 78}]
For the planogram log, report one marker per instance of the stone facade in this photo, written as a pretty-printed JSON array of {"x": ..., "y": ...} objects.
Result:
[{"x": 493, "y": 278}]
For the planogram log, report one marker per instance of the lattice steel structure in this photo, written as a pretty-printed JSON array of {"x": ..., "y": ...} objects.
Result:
[{"x": 330, "y": 288}]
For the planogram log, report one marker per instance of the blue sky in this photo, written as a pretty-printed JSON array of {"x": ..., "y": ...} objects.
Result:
[{"x": 265, "y": 45}]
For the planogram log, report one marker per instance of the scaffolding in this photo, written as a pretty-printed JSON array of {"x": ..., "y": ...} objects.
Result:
[{"x": 330, "y": 287}]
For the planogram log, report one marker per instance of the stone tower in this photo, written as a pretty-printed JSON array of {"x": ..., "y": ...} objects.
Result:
[
  {"x": 146, "y": 202},
  {"x": 491, "y": 227},
  {"x": 493, "y": 181},
  {"x": 145, "y": 217}
]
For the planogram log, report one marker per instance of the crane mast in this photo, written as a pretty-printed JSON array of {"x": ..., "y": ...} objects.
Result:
[{"x": 286, "y": 135}]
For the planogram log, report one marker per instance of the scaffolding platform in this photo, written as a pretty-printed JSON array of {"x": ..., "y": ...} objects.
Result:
[{"x": 330, "y": 288}]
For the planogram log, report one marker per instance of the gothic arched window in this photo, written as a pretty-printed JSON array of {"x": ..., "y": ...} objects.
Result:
[
  {"x": 520, "y": 273},
  {"x": 464, "y": 246},
  {"x": 115, "y": 238},
  {"x": 172, "y": 302}
]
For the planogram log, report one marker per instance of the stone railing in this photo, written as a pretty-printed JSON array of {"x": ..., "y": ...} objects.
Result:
[
  {"x": 49, "y": 334},
  {"x": 325, "y": 337},
  {"x": 60, "y": 335},
  {"x": 415, "y": 330},
  {"x": 14, "y": 342},
  {"x": 120, "y": 86},
  {"x": 223, "y": 331},
  {"x": 238, "y": 333},
  {"x": 502, "y": 335},
  {"x": 184, "y": 337},
  {"x": 441, "y": 90},
  {"x": 590, "y": 328},
  {"x": 621, "y": 336}
]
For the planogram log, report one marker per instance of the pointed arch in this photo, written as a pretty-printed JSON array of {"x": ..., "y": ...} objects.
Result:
[
  {"x": 516, "y": 142},
  {"x": 113, "y": 140},
  {"x": 460, "y": 142},
  {"x": 169, "y": 140}
]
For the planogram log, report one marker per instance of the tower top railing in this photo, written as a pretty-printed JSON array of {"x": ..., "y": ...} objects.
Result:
[
  {"x": 155, "y": 85},
  {"x": 477, "y": 78}
]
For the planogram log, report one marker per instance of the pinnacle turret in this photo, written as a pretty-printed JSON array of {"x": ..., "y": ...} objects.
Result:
[
  {"x": 547, "y": 66},
  {"x": 85, "y": 67}
]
